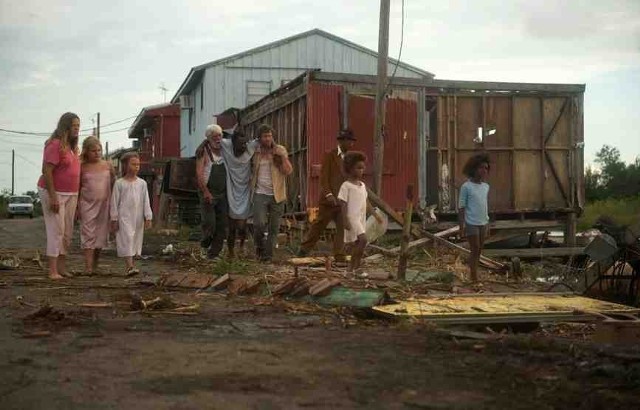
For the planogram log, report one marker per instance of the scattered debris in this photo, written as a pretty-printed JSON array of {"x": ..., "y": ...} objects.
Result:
[
  {"x": 323, "y": 287},
  {"x": 10, "y": 263},
  {"x": 37, "y": 334},
  {"x": 168, "y": 250},
  {"x": 222, "y": 282},
  {"x": 187, "y": 280},
  {"x": 96, "y": 305}
]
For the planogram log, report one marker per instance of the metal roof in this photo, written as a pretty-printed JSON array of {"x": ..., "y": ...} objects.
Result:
[
  {"x": 195, "y": 74},
  {"x": 143, "y": 113}
]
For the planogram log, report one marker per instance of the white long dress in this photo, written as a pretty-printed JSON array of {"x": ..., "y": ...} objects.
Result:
[
  {"x": 130, "y": 207},
  {"x": 355, "y": 195}
]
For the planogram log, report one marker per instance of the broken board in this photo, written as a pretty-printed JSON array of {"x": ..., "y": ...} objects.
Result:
[{"x": 504, "y": 308}]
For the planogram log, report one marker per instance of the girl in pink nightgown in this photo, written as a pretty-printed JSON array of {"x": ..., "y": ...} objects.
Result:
[{"x": 96, "y": 179}]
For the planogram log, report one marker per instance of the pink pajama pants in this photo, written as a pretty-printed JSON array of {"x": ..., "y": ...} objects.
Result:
[{"x": 60, "y": 225}]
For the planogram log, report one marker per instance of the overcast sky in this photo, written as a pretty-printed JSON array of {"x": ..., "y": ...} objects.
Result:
[{"x": 91, "y": 56}]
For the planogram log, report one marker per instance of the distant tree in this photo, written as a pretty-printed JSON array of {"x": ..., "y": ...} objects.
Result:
[
  {"x": 593, "y": 185},
  {"x": 615, "y": 179}
]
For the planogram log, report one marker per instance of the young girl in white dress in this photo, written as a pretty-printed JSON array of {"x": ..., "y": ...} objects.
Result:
[
  {"x": 130, "y": 212},
  {"x": 355, "y": 205}
]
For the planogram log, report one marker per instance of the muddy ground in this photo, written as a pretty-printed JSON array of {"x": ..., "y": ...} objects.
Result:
[{"x": 266, "y": 353}]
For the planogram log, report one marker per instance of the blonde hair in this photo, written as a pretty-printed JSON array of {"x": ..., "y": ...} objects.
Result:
[
  {"x": 87, "y": 144},
  {"x": 125, "y": 161}
]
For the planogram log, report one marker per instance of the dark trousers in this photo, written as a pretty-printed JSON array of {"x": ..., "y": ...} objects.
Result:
[
  {"x": 214, "y": 224},
  {"x": 266, "y": 219},
  {"x": 326, "y": 214},
  {"x": 239, "y": 227}
]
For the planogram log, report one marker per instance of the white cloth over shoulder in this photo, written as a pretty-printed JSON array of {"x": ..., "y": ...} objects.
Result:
[
  {"x": 238, "y": 179},
  {"x": 130, "y": 207},
  {"x": 356, "y": 198}
]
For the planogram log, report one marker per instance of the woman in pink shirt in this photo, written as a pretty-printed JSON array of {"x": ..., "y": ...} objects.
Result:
[{"x": 58, "y": 187}]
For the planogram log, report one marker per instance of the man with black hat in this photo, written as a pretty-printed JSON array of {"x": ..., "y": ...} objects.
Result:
[{"x": 331, "y": 178}]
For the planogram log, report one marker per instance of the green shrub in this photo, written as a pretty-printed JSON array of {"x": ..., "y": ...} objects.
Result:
[{"x": 623, "y": 211}]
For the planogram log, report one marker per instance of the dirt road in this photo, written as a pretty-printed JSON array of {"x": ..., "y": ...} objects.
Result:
[{"x": 263, "y": 353}]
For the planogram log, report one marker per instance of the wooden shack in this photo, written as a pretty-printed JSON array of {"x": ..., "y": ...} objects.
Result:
[{"x": 533, "y": 133}]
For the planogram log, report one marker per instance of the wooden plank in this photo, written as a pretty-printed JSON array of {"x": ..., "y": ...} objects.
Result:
[
  {"x": 272, "y": 104},
  {"x": 380, "y": 203},
  {"x": 534, "y": 252},
  {"x": 406, "y": 235},
  {"x": 526, "y": 225},
  {"x": 452, "y": 84},
  {"x": 484, "y": 261},
  {"x": 527, "y": 184}
]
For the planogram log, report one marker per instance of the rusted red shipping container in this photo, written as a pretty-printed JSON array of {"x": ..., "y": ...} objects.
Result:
[{"x": 308, "y": 127}]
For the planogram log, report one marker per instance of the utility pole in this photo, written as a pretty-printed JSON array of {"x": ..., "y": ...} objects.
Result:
[
  {"x": 164, "y": 91},
  {"x": 13, "y": 172},
  {"x": 383, "y": 57},
  {"x": 106, "y": 148},
  {"x": 98, "y": 127}
]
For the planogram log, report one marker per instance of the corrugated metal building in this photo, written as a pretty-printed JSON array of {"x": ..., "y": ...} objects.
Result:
[
  {"x": 244, "y": 78},
  {"x": 536, "y": 146}
]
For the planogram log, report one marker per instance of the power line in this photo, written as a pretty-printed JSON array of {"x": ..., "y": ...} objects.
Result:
[
  {"x": 40, "y": 134},
  {"x": 111, "y": 123},
  {"x": 399, "y": 53},
  {"x": 28, "y": 160},
  {"x": 47, "y": 134},
  {"x": 121, "y": 129}
]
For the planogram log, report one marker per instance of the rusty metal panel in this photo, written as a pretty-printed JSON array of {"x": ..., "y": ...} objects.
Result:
[
  {"x": 400, "y": 146},
  {"x": 323, "y": 125}
]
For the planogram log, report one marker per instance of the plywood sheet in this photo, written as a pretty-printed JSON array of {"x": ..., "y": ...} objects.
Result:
[
  {"x": 527, "y": 125},
  {"x": 528, "y": 180},
  {"x": 504, "y": 305},
  {"x": 560, "y": 135},
  {"x": 499, "y": 117},
  {"x": 468, "y": 119},
  {"x": 552, "y": 194}
]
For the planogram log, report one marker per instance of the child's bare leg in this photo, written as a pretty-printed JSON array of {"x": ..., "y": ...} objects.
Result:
[
  {"x": 474, "y": 259},
  {"x": 62, "y": 264},
  {"x": 89, "y": 260},
  {"x": 96, "y": 258},
  {"x": 358, "y": 251},
  {"x": 128, "y": 260},
  {"x": 53, "y": 268}
]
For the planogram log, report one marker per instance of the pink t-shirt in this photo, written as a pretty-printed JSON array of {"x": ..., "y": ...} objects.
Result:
[{"x": 66, "y": 174}]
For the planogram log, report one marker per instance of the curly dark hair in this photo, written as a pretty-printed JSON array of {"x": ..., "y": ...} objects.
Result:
[
  {"x": 474, "y": 163},
  {"x": 351, "y": 158}
]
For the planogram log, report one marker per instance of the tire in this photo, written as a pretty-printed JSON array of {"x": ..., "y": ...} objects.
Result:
[
  {"x": 30, "y": 216},
  {"x": 10, "y": 216}
]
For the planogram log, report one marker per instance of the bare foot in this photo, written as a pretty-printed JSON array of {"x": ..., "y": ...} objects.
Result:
[{"x": 55, "y": 276}]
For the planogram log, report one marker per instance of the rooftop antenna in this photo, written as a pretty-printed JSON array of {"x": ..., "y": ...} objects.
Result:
[{"x": 164, "y": 91}]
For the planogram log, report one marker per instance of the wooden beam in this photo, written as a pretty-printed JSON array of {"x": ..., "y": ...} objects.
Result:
[
  {"x": 484, "y": 261},
  {"x": 454, "y": 84},
  {"x": 534, "y": 252},
  {"x": 380, "y": 203},
  {"x": 273, "y": 104},
  {"x": 406, "y": 235},
  {"x": 554, "y": 172}
]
